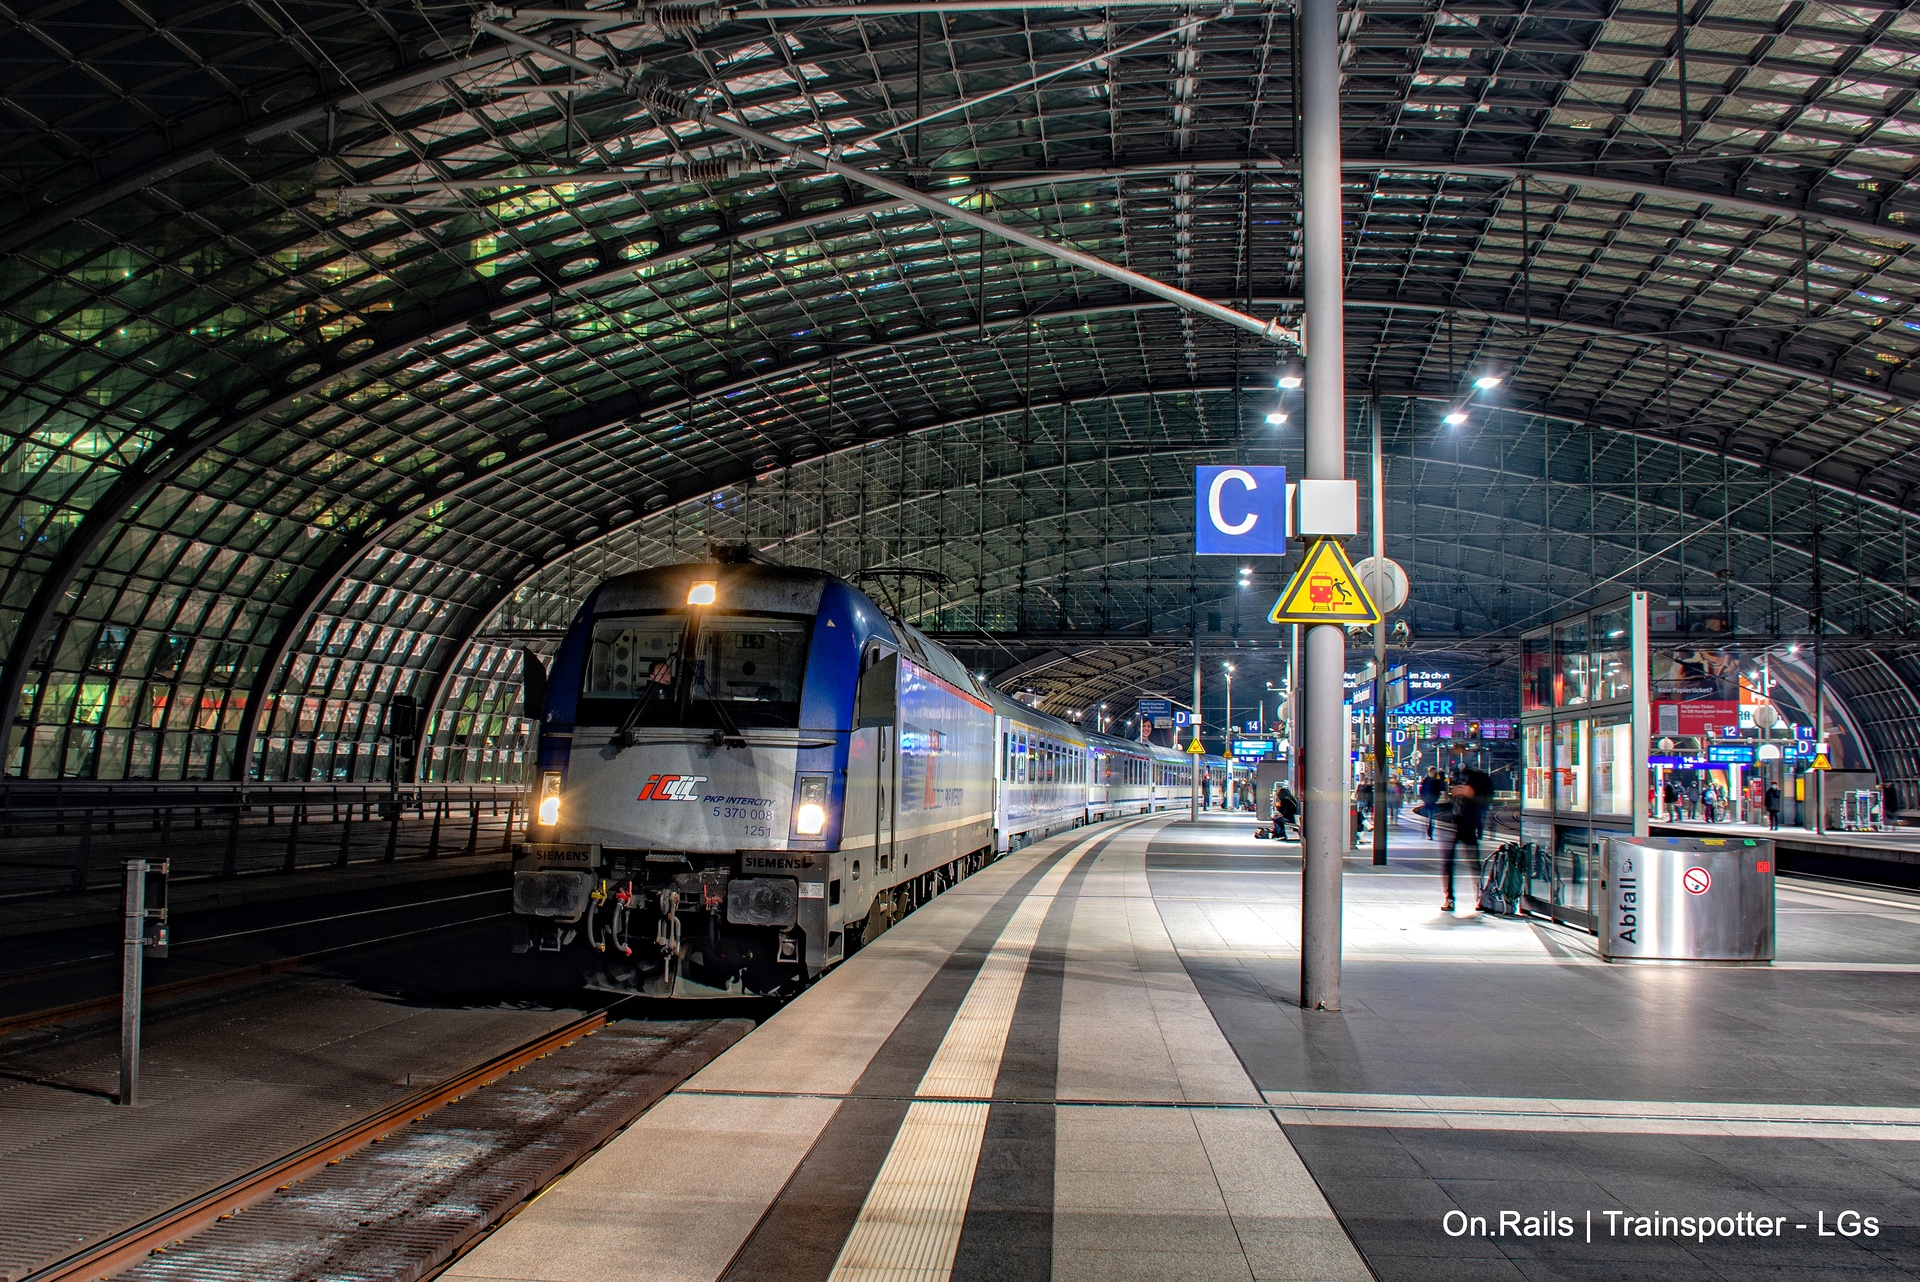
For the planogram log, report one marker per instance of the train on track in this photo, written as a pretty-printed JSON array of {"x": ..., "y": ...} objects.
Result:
[{"x": 746, "y": 771}]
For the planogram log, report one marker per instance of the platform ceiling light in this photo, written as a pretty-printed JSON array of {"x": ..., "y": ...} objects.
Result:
[
  {"x": 1488, "y": 381},
  {"x": 1277, "y": 417},
  {"x": 1291, "y": 376},
  {"x": 701, "y": 594},
  {"x": 1455, "y": 418}
]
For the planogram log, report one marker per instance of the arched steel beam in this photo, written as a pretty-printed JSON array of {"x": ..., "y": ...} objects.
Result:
[
  {"x": 182, "y": 155},
  {"x": 463, "y": 307},
  {"x": 179, "y": 450},
  {"x": 1662, "y": 191},
  {"x": 457, "y": 644},
  {"x": 326, "y": 581},
  {"x": 1466, "y": 463},
  {"x": 531, "y": 288}
]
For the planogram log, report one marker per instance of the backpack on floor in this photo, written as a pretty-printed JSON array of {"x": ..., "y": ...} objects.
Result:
[{"x": 1504, "y": 882}]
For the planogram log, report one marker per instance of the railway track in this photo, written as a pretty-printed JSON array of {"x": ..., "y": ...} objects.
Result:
[{"x": 451, "y": 1161}]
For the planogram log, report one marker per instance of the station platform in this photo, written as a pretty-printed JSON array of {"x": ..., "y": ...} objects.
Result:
[{"x": 1088, "y": 1062}]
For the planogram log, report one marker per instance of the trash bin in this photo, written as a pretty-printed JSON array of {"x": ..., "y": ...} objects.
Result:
[{"x": 1687, "y": 899}]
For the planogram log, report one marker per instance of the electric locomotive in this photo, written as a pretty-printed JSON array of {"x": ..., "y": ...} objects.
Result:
[{"x": 745, "y": 771}]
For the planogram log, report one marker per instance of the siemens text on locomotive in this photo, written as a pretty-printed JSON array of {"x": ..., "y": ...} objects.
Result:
[{"x": 745, "y": 771}]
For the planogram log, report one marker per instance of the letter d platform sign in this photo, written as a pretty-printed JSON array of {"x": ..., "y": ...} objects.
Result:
[{"x": 1240, "y": 511}]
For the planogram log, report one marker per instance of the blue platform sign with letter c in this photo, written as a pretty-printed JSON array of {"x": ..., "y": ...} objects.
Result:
[{"x": 1240, "y": 511}]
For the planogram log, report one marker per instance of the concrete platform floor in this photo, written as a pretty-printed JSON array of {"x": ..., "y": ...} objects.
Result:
[{"x": 1088, "y": 1063}]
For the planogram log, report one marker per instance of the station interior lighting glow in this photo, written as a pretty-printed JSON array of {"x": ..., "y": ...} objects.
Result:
[
  {"x": 1455, "y": 418},
  {"x": 1487, "y": 382},
  {"x": 1277, "y": 417}
]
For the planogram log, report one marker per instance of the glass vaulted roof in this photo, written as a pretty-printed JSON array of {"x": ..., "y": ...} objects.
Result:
[{"x": 341, "y": 345}]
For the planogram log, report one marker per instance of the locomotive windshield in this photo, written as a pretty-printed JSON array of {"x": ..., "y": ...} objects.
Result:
[{"x": 746, "y": 671}]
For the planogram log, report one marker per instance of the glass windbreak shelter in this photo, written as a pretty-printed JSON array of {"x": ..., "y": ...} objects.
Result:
[{"x": 1583, "y": 730}]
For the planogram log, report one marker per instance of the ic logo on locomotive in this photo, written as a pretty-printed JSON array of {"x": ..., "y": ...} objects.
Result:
[{"x": 672, "y": 788}]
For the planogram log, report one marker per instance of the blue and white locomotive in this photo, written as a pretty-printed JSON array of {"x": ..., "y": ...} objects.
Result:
[{"x": 746, "y": 771}]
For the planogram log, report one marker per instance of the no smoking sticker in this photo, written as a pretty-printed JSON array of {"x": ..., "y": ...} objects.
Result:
[{"x": 1696, "y": 880}]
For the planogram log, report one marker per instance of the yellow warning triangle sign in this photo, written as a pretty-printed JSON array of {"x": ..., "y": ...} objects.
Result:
[
  {"x": 1195, "y": 747},
  {"x": 1324, "y": 590},
  {"x": 1820, "y": 762}
]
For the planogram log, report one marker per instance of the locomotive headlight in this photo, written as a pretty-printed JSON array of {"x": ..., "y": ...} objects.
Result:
[
  {"x": 810, "y": 807},
  {"x": 550, "y": 798}
]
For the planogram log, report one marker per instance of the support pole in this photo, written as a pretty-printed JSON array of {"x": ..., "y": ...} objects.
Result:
[
  {"x": 1294, "y": 704},
  {"x": 132, "y": 979},
  {"x": 1324, "y": 818},
  {"x": 1380, "y": 776},
  {"x": 1819, "y": 788},
  {"x": 1193, "y": 798}
]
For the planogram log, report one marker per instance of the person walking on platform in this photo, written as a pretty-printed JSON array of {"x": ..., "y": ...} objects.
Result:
[
  {"x": 1471, "y": 796},
  {"x": 1707, "y": 803},
  {"x": 1772, "y": 803},
  {"x": 1285, "y": 812},
  {"x": 1396, "y": 797},
  {"x": 1670, "y": 796},
  {"x": 1430, "y": 797}
]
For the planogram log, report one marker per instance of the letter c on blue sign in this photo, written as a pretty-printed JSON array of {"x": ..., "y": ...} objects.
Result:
[
  {"x": 1240, "y": 511},
  {"x": 1219, "y": 483}
]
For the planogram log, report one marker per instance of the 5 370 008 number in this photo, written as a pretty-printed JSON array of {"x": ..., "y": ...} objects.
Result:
[{"x": 741, "y": 812}]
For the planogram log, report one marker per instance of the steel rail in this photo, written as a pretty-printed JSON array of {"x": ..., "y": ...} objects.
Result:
[{"x": 118, "y": 1251}]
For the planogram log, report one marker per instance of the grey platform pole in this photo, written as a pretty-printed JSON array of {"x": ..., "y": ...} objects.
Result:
[
  {"x": 1193, "y": 798},
  {"x": 1380, "y": 776},
  {"x": 132, "y": 977},
  {"x": 1324, "y": 826}
]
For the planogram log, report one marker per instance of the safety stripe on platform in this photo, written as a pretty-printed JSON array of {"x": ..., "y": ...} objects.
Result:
[
  {"x": 802, "y": 1233},
  {"x": 909, "y": 1227},
  {"x": 1596, "y": 1116}
]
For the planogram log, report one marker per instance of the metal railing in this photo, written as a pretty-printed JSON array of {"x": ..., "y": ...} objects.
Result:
[{"x": 73, "y": 836}]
